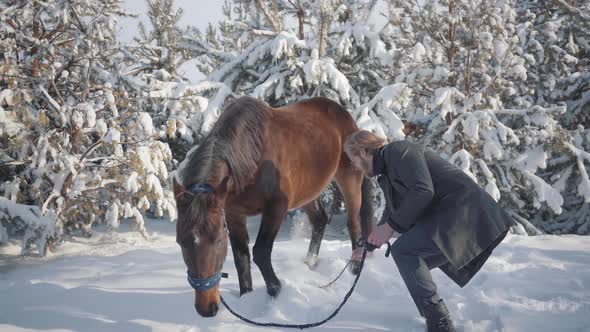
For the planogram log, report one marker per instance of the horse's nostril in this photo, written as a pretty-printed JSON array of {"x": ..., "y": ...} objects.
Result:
[{"x": 213, "y": 308}]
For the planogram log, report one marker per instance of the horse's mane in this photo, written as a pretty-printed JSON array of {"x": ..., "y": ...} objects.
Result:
[{"x": 237, "y": 138}]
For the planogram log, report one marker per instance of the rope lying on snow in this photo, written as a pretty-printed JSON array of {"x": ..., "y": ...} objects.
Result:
[{"x": 361, "y": 243}]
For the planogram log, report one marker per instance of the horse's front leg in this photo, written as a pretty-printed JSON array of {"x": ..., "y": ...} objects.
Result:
[
  {"x": 272, "y": 217},
  {"x": 238, "y": 237},
  {"x": 349, "y": 181}
]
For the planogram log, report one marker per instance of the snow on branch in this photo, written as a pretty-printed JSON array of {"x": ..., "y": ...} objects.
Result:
[
  {"x": 278, "y": 79},
  {"x": 578, "y": 152},
  {"x": 445, "y": 99},
  {"x": 323, "y": 70},
  {"x": 359, "y": 32},
  {"x": 584, "y": 186},
  {"x": 495, "y": 133},
  {"x": 281, "y": 45},
  {"x": 572, "y": 10},
  {"x": 211, "y": 113},
  {"x": 51, "y": 101},
  {"x": 227, "y": 68},
  {"x": 527, "y": 164},
  {"x": 545, "y": 192},
  {"x": 462, "y": 159},
  {"x": 491, "y": 188},
  {"x": 530, "y": 228},
  {"x": 532, "y": 160},
  {"x": 37, "y": 227},
  {"x": 200, "y": 46},
  {"x": 533, "y": 109},
  {"x": 379, "y": 114}
]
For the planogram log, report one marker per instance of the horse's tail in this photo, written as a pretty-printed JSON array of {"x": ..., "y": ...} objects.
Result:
[{"x": 366, "y": 207}]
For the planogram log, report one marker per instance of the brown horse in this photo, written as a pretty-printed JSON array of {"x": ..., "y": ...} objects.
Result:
[{"x": 259, "y": 159}]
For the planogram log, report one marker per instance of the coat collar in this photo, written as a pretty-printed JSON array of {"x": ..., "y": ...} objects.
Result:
[{"x": 378, "y": 161}]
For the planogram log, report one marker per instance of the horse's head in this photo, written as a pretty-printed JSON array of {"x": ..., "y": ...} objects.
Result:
[{"x": 201, "y": 233}]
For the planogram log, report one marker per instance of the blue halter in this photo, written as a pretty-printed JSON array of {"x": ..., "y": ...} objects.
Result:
[
  {"x": 198, "y": 188},
  {"x": 204, "y": 283}
]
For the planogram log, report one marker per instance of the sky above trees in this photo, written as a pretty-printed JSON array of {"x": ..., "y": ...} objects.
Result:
[{"x": 197, "y": 13}]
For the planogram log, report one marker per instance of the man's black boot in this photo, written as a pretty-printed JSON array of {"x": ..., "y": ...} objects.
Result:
[{"x": 438, "y": 318}]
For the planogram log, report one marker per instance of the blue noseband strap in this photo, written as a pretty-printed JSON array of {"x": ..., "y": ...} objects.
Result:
[
  {"x": 198, "y": 188},
  {"x": 205, "y": 283}
]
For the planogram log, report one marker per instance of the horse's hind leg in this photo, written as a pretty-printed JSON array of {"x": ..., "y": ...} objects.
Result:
[
  {"x": 238, "y": 236},
  {"x": 349, "y": 181},
  {"x": 318, "y": 219},
  {"x": 272, "y": 217}
]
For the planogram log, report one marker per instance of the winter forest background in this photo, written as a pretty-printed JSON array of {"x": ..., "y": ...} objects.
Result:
[{"x": 92, "y": 125}]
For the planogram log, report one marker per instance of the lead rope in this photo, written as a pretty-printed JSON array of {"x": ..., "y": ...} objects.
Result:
[
  {"x": 370, "y": 248},
  {"x": 361, "y": 243}
]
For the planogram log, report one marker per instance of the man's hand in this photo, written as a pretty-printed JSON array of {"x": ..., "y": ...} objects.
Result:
[{"x": 380, "y": 235}]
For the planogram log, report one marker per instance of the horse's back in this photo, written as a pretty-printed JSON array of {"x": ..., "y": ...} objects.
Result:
[
  {"x": 305, "y": 141},
  {"x": 322, "y": 112}
]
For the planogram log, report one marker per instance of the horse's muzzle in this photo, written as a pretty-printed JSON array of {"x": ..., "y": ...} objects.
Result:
[
  {"x": 212, "y": 310},
  {"x": 207, "y": 303}
]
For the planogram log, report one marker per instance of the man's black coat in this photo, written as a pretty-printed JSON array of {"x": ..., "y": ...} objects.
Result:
[{"x": 462, "y": 219}]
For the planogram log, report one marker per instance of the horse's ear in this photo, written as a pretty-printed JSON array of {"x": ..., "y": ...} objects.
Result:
[
  {"x": 223, "y": 187},
  {"x": 177, "y": 187}
]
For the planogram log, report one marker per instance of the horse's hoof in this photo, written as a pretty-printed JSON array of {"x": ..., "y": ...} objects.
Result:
[
  {"x": 312, "y": 261},
  {"x": 274, "y": 289},
  {"x": 245, "y": 291},
  {"x": 355, "y": 267}
]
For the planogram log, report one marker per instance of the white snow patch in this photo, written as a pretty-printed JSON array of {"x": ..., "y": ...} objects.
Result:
[
  {"x": 146, "y": 124},
  {"x": 532, "y": 159},
  {"x": 122, "y": 282},
  {"x": 112, "y": 216},
  {"x": 113, "y": 136}
]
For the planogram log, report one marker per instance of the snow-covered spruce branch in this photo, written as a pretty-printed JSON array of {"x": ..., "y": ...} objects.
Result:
[
  {"x": 37, "y": 227},
  {"x": 533, "y": 109},
  {"x": 584, "y": 186},
  {"x": 572, "y": 10},
  {"x": 379, "y": 114},
  {"x": 528, "y": 227},
  {"x": 200, "y": 47}
]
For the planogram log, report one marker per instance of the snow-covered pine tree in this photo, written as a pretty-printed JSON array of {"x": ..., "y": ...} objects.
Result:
[
  {"x": 247, "y": 54},
  {"x": 157, "y": 48},
  {"x": 282, "y": 51},
  {"x": 559, "y": 41},
  {"x": 461, "y": 75},
  {"x": 556, "y": 36},
  {"x": 154, "y": 61},
  {"x": 85, "y": 154}
]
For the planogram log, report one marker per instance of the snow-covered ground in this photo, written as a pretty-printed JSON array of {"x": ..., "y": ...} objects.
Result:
[{"x": 126, "y": 283}]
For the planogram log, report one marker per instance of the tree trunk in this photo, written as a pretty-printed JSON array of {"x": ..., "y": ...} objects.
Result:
[
  {"x": 322, "y": 37},
  {"x": 272, "y": 18},
  {"x": 324, "y": 24},
  {"x": 35, "y": 67},
  {"x": 452, "y": 30},
  {"x": 301, "y": 18}
]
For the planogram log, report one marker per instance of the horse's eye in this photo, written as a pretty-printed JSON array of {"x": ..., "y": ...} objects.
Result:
[{"x": 184, "y": 199}]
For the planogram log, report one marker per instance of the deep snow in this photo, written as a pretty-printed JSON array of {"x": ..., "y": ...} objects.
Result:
[{"x": 120, "y": 282}]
